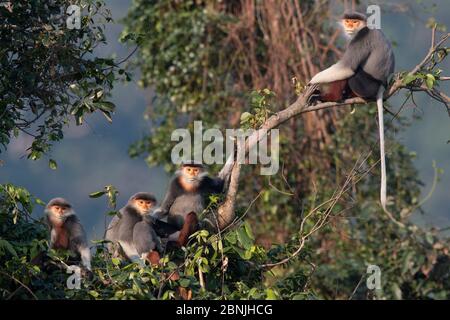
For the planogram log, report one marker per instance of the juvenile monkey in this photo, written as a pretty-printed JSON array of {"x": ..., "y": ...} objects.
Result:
[
  {"x": 134, "y": 232},
  {"x": 66, "y": 231}
]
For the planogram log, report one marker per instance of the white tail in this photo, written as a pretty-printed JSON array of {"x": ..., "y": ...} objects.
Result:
[
  {"x": 383, "y": 197},
  {"x": 382, "y": 149}
]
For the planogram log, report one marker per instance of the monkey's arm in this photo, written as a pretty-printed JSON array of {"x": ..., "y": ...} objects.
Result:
[
  {"x": 213, "y": 185},
  {"x": 125, "y": 237},
  {"x": 78, "y": 241},
  {"x": 111, "y": 230},
  {"x": 338, "y": 71},
  {"x": 145, "y": 238},
  {"x": 53, "y": 236},
  {"x": 355, "y": 55},
  {"x": 51, "y": 230},
  {"x": 172, "y": 193},
  {"x": 130, "y": 251},
  {"x": 163, "y": 229}
]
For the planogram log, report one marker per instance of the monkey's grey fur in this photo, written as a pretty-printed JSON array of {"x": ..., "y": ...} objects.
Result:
[
  {"x": 76, "y": 235},
  {"x": 367, "y": 63},
  {"x": 132, "y": 232},
  {"x": 178, "y": 202}
]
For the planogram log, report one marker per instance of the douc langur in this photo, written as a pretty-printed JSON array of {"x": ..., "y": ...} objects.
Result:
[
  {"x": 133, "y": 233},
  {"x": 66, "y": 231},
  {"x": 185, "y": 199},
  {"x": 363, "y": 71}
]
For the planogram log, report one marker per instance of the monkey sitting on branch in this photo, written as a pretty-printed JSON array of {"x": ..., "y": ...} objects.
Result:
[
  {"x": 66, "y": 231},
  {"x": 185, "y": 199},
  {"x": 363, "y": 72},
  {"x": 133, "y": 232}
]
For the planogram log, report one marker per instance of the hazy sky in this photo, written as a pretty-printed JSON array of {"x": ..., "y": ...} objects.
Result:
[{"x": 95, "y": 154}]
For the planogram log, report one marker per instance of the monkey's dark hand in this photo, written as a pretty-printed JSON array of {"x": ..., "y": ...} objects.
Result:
[
  {"x": 157, "y": 213},
  {"x": 163, "y": 229},
  {"x": 88, "y": 274},
  {"x": 312, "y": 91},
  {"x": 150, "y": 219}
]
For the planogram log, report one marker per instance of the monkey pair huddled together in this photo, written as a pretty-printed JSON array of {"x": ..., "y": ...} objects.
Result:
[{"x": 138, "y": 230}]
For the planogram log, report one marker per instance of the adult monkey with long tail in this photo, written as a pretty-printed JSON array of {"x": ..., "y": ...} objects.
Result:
[{"x": 363, "y": 71}]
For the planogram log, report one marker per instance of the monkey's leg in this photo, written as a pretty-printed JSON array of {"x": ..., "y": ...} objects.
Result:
[
  {"x": 174, "y": 236},
  {"x": 330, "y": 92},
  {"x": 364, "y": 85},
  {"x": 189, "y": 227},
  {"x": 184, "y": 293},
  {"x": 153, "y": 257},
  {"x": 85, "y": 254},
  {"x": 333, "y": 92},
  {"x": 131, "y": 252}
]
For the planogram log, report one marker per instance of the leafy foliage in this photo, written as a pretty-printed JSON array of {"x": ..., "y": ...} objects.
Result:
[
  {"x": 48, "y": 73},
  {"x": 23, "y": 239}
]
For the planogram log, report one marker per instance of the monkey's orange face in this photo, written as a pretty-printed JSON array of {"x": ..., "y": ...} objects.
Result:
[
  {"x": 192, "y": 172},
  {"x": 352, "y": 25},
  {"x": 143, "y": 206},
  {"x": 58, "y": 210}
]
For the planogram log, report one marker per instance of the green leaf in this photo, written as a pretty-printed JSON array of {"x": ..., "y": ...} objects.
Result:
[
  {"x": 248, "y": 230},
  {"x": 115, "y": 261},
  {"x": 271, "y": 294},
  {"x": 100, "y": 241},
  {"x": 231, "y": 237},
  {"x": 185, "y": 283},
  {"x": 409, "y": 78},
  {"x": 245, "y": 116},
  {"x": 40, "y": 202},
  {"x": 52, "y": 164},
  {"x": 105, "y": 106},
  {"x": 97, "y": 194},
  {"x": 5, "y": 244},
  {"x": 107, "y": 116},
  {"x": 430, "y": 81},
  {"x": 113, "y": 213},
  {"x": 244, "y": 238}
]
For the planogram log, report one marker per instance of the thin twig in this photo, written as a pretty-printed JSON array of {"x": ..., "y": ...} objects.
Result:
[{"x": 21, "y": 283}]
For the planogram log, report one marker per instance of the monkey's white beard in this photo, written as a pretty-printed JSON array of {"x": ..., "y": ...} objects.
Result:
[
  {"x": 349, "y": 34},
  {"x": 195, "y": 182},
  {"x": 56, "y": 217},
  {"x": 143, "y": 212}
]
